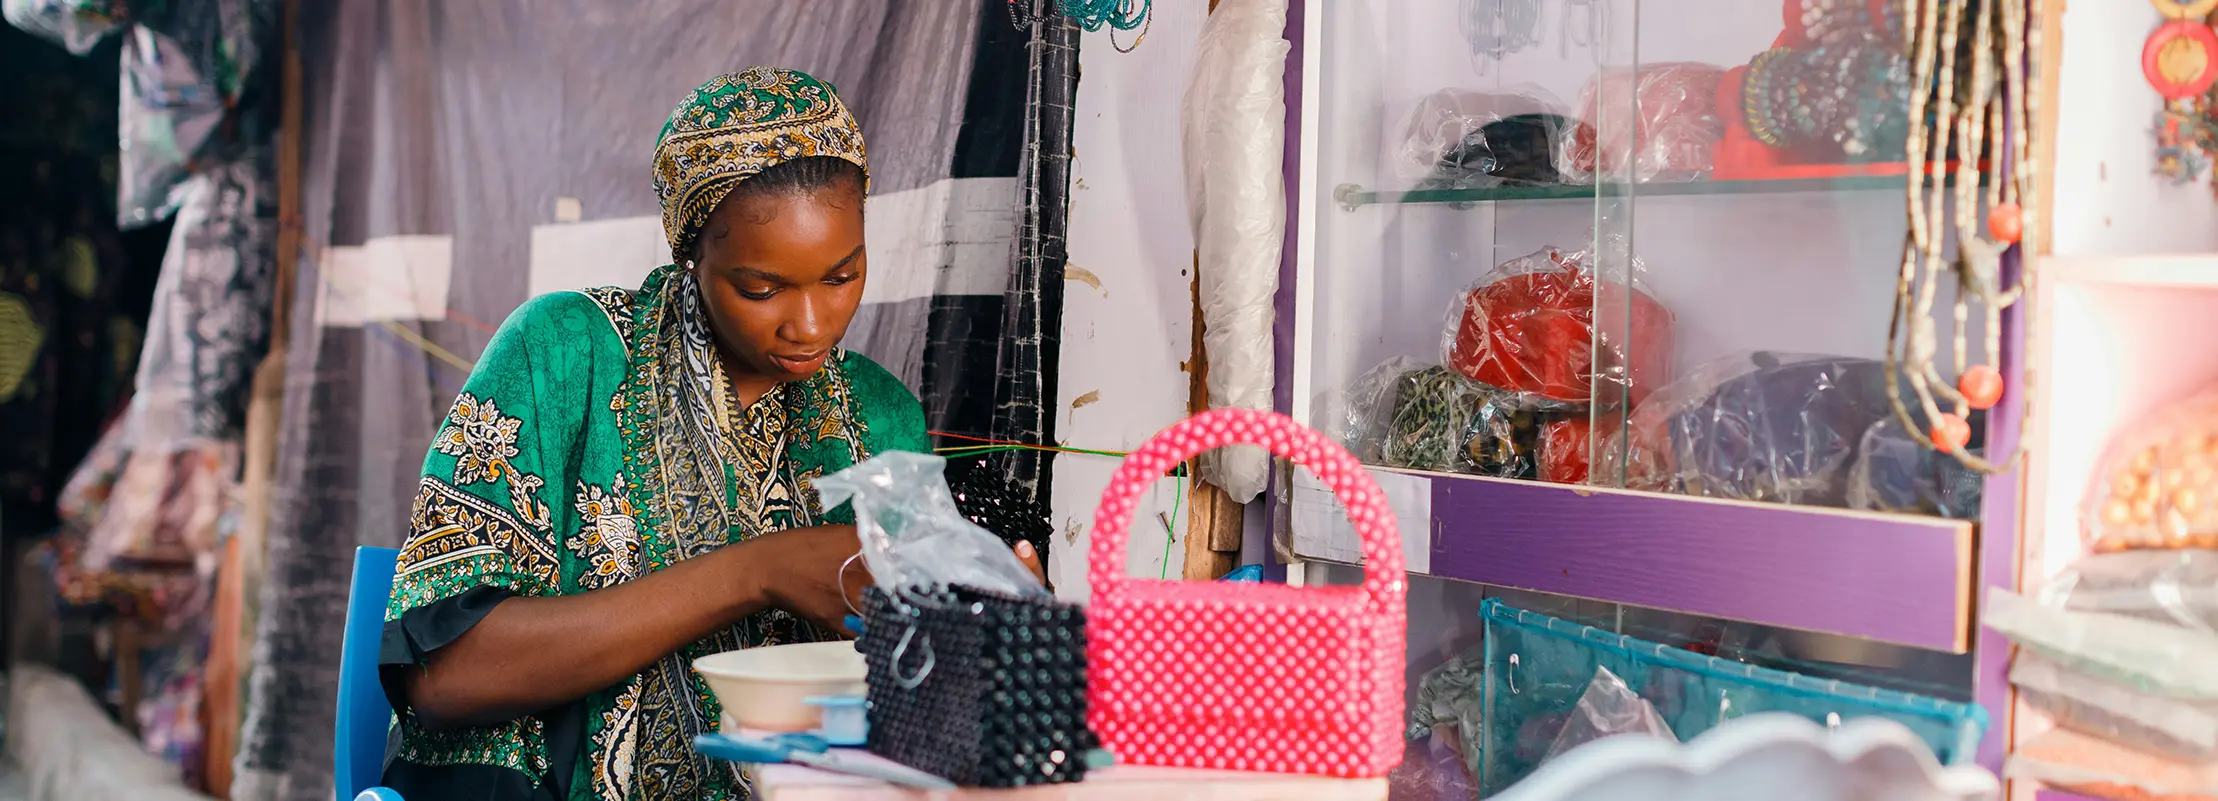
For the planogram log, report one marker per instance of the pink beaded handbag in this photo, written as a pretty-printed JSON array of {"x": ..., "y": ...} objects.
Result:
[{"x": 1257, "y": 677}]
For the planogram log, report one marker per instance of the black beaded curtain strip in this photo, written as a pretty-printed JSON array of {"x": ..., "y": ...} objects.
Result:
[{"x": 1033, "y": 328}]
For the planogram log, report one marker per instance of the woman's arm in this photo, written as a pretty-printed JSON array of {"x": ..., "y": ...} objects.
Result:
[{"x": 531, "y": 654}]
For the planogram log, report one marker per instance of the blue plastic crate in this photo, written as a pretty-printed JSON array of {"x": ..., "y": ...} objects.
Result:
[{"x": 1537, "y": 667}]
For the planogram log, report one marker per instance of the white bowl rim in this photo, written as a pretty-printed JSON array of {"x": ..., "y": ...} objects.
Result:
[{"x": 706, "y": 667}]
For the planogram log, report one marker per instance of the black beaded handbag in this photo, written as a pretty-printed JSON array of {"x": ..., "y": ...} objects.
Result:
[{"x": 979, "y": 688}]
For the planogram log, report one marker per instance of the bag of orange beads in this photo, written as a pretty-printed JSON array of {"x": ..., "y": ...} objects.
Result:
[{"x": 2157, "y": 487}]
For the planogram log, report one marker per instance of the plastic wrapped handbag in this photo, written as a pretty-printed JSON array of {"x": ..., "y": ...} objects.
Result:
[{"x": 1258, "y": 677}]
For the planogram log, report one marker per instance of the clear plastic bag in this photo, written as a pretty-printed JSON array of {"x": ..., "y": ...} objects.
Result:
[
  {"x": 76, "y": 25},
  {"x": 1527, "y": 327},
  {"x": 1893, "y": 473},
  {"x": 2158, "y": 486},
  {"x": 1673, "y": 136},
  {"x": 2115, "y": 712},
  {"x": 1450, "y": 708},
  {"x": 1460, "y": 139},
  {"x": 2147, "y": 656},
  {"x": 913, "y": 535},
  {"x": 168, "y": 112},
  {"x": 2097, "y": 768},
  {"x": 1608, "y": 708},
  {"x": 1405, "y": 414},
  {"x": 1431, "y": 770},
  {"x": 2176, "y": 587},
  {"x": 1759, "y": 427}
]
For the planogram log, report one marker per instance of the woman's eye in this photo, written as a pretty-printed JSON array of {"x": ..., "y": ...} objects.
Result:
[
  {"x": 842, "y": 279},
  {"x": 757, "y": 294}
]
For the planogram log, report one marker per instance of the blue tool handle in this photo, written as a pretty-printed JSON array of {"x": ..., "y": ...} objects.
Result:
[
  {"x": 717, "y": 746},
  {"x": 854, "y": 624}
]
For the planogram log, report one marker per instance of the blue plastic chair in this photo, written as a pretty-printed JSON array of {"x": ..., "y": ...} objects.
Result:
[{"x": 365, "y": 716}]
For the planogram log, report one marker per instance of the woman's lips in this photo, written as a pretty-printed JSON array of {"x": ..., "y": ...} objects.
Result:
[{"x": 801, "y": 364}]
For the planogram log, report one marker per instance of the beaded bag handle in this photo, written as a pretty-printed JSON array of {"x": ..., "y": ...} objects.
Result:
[{"x": 1383, "y": 579}]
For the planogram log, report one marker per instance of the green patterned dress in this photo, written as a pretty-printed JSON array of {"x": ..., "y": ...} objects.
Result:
[{"x": 595, "y": 443}]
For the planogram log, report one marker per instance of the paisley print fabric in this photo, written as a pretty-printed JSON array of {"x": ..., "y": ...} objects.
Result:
[{"x": 738, "y": 125}]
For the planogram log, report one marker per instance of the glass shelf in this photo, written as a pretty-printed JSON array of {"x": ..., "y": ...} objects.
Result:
[{"x": 1353, "y": 196}]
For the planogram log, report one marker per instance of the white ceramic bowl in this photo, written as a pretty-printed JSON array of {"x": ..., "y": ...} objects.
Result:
[{"x": 768, "y": 688}]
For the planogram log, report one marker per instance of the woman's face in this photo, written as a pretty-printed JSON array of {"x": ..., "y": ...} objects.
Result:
[{"x": 781, "y": 275}]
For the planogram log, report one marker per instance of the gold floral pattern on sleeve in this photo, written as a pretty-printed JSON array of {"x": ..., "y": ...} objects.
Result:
[
  {"x": 458, "y": 540},
  {"x": 482, "y": 440},
  {"x": 608, "y": 533}
]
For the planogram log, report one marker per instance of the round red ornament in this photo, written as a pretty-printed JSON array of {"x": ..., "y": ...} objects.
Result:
[
  {"x": 2180, "y": 59},
  {"x": 1981, "y": 386},
  {"x": 2005, "y": 222},
  {"x": 1950, "y": 433}
]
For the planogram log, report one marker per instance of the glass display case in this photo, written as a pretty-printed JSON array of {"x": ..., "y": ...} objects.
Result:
[{"x": 1602, "y": 290}]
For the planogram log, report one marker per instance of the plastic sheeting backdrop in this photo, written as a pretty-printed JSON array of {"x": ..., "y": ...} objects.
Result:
[{"x": 460, "y": 158}]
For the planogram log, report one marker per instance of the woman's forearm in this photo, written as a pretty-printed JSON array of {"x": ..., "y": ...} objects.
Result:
[{"x": 533, "y": 654}]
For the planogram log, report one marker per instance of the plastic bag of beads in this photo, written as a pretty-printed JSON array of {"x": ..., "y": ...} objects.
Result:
[
  {"x": 2115, "y": 712},
  {"x": 2158, "y": 485},
  {"x": 2147, "y": 656},
  {"x": 76, "y": 25},
  {"x": 980, "y": 688},
  {"x": 2097, "y": 768},
  {"x": 1527, "y": 326},
  {"x": 2175, "y": 587},
  {"x": 1894, "y": 473},
  {"x": 1764, "y": 426},
  {"x": 1433, "y": 418},
  {"x": 1460, "y": 139},
  {"x": 913, "y": 535},
  {"x": 1672, "y": 136}
]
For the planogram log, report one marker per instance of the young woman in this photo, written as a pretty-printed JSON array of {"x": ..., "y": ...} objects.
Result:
[{"x": 623, "y": 484}]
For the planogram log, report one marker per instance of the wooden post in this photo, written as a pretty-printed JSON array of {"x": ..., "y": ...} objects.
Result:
[{"x": 1214, "y": 522}]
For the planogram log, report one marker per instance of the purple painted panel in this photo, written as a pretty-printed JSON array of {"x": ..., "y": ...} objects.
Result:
[
  {"x": 1894, "y": 579},
  {"x": 1998, "y": 530},
  {"x": 1282, "y": 301}
]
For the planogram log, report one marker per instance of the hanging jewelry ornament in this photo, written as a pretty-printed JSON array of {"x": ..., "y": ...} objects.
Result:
[
  {"x": 2184, "y": 9},
  {"x": 1497, "y": 28},
  {"x": 1116, "y": 15},
  {"x": 1968, "y": 105},
  {"x": 2181, "y": 59}
]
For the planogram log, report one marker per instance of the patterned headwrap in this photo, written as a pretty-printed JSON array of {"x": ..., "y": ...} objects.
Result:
[{"x": 738, "y": 125}]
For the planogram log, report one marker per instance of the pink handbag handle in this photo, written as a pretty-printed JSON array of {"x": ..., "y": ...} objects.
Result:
[{"x": 1383, "y": 581}]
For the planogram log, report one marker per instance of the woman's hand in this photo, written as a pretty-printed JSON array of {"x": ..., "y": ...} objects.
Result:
[
  {"x": 806, "y": 571},
  {"x": 1031, "y": 560}
]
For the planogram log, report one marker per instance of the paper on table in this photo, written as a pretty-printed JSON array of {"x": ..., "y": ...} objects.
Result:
[{"x": 1322, "y": 530}]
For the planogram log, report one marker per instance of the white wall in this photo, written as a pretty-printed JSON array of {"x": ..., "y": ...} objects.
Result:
[
  {"x": 2109, "y": 200},
  {"x": 1127, "y": 308}
]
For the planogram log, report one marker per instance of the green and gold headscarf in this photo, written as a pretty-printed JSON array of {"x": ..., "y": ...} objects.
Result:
[{"x": 738, "y": 125}]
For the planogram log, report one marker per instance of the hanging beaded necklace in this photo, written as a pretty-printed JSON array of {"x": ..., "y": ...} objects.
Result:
[
  {"x": 1093, "y": 15},
  {"x": 1971, "y": 105},
  {"x": 1497, "y": 28}
]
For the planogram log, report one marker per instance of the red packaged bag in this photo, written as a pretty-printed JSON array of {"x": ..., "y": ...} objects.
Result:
[
  {"x": 1675, "y": 127},
  {"x": 1528, "y": 327}
]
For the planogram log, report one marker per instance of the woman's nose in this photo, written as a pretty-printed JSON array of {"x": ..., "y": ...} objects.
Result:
[{"x": 806, "y": 324}]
